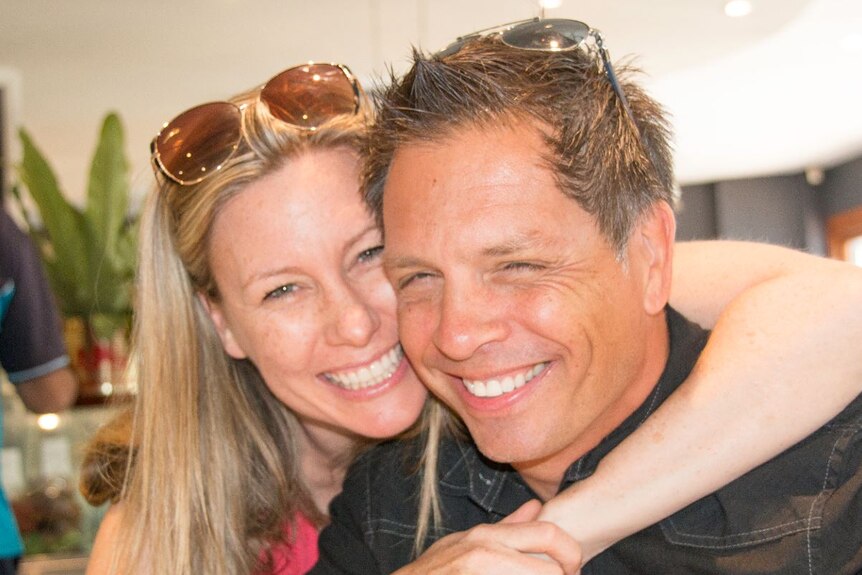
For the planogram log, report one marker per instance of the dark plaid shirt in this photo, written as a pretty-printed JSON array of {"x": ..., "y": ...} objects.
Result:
[{"x": 799, "y": 513}]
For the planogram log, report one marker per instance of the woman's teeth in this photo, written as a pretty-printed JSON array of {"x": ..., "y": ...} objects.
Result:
[
  {"x": 373, "y": 374},
  {"x": 497, "y": 387}
]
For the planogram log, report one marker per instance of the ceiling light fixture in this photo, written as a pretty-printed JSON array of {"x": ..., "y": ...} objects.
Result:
[
  {"x": 737, "y": 8},
  {"x": 550, "y": 4}
]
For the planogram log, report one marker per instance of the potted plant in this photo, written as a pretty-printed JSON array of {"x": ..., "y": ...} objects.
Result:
[{"x": 89, "y": 253}]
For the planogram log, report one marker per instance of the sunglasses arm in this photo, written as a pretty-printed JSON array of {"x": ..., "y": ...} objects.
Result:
[{"x": 612, "y": 76}]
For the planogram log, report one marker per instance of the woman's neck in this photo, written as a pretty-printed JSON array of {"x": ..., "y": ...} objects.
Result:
[{"x": 325, "y": 455}]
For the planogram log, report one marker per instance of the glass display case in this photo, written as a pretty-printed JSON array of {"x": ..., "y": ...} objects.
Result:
[{"x": 41, "y": 458}]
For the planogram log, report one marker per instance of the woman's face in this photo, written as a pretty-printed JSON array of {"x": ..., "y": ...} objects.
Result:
[{"x": 296, "y": 258}]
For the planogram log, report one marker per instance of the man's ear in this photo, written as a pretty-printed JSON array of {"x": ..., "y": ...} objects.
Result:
[
  {"x": 655, "y": 234},
  {"x": 228, "y": 341}
]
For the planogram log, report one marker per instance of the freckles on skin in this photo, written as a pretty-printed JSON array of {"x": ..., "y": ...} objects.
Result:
[{"x": 295, "y": 255}]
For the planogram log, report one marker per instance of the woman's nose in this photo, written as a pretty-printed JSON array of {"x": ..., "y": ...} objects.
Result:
[{"x": 353, "y": 320}]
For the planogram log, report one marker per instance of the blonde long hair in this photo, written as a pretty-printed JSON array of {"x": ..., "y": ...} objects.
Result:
[{"x": 215, "y": 472}]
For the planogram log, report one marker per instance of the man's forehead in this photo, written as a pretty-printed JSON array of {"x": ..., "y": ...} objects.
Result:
[
  {"x": 473, "y": 144},
  {"x": 472, "y": 161},
  {"x": 488, "y": 191}
]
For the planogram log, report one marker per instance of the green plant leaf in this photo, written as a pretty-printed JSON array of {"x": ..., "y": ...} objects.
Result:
[
  {"x": 28, "y": 218},
  {"x": 89, "y": 255},
  {"x": 66, "y": 261},
  {"x": 108, "y": 187},
  {"x": 105, "y": 326}
]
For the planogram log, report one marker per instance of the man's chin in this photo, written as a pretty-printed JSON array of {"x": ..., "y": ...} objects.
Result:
[{"x": 501, "y": 448}]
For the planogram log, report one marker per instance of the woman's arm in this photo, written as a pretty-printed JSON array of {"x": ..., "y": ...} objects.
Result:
[{"x": 784, "y": 351}]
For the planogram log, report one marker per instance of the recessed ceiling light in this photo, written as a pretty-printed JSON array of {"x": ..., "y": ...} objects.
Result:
[
  {"x": 549, "y": 4},
  {"x": 737, "y": 8}
]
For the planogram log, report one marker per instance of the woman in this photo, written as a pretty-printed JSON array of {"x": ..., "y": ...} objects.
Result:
[
  {"x": 265, "y": 337},
  {"x": 239, "y": 315}
]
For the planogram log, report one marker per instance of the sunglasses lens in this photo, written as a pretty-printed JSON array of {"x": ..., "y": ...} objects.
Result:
[
  {"x": 552, "y": 35},
  {"x": 307, "y": 96},
  {"x": 198, "y": 141},
  {"x": 456, "y": 46}
]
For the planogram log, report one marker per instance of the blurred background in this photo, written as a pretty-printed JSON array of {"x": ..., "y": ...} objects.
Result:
[
  {"x": 771, "y": 92},
  {"x": 764, "y": 97}
]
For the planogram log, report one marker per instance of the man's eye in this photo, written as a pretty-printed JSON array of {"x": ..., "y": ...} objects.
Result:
[
  {"x": 412, "y": 279},
  {"x": 522, "y": 266},
  {"x": 370, "y": 254},
  {"x": 281, "y": 291}
]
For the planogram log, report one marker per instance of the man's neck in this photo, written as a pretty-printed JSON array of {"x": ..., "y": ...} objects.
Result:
[{"x": 544, "y": 476}]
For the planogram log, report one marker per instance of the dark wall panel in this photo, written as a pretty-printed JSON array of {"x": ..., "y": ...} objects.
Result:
[
  {"x": 842, "y": 188},
  {"x": 695, "y": 213},
  {"x": 778, "y": 210}
]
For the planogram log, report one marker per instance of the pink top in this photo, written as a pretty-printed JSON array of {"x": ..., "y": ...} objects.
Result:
[{"x": 300, "y": 555}]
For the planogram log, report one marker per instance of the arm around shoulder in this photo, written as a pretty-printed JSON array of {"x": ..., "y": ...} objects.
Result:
[{"x": 784, "y": 351}]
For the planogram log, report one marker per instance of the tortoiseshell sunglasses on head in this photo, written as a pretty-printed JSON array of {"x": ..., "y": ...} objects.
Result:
[{"x": 199, "y": 141}]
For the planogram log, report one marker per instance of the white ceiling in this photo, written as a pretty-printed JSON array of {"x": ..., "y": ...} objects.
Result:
[{"x": 773, "y": 92}]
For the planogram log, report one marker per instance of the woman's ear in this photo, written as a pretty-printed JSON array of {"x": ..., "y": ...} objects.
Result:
[
  {"x": 656, "y": 234},
  {"x": 228, "y": 341}
]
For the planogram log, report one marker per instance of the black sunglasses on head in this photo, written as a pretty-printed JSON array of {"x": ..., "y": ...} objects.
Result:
[{"x": 551, "y": 35}]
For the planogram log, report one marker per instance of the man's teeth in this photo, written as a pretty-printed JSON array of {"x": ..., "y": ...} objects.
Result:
[
  {"x": 369, "y": 376},
  {"x": 497, "y": 387}
]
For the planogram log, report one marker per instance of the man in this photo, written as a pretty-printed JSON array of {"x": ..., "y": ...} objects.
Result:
[
  {"x": 32, "y": 351},
  {"x": 525, "y": 198}
]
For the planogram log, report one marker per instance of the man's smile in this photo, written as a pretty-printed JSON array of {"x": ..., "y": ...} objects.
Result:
[{"x": 497, "y": 386}]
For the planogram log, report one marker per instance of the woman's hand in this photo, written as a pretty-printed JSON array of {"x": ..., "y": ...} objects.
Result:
[{"x": 517, "y": 545}]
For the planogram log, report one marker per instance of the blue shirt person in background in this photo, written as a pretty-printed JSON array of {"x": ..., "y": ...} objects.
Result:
[{"x": 32, "y": 352}]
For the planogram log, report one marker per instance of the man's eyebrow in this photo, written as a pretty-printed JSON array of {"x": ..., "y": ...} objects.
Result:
[
  {"x": 516, "y": 244},
  {"x": 401, "y": 262},
  {"x": 513, "y": 245}
]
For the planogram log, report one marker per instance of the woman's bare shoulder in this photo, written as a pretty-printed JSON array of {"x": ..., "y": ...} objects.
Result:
[{"x": 101, "y": 555}]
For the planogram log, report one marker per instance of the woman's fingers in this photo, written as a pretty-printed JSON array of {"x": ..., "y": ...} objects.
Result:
[{"x": 515, "y": 546}]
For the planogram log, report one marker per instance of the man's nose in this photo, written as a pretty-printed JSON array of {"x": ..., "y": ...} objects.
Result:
[{"x": 469, "y": 318}]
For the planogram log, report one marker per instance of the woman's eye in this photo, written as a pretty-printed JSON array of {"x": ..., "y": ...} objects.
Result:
[
  {"x": 281, "y": 291},
  {"x": 370, "y": 254}
]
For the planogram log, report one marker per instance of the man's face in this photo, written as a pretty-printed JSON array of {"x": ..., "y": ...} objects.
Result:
[{"x": 513, "y": 307}]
